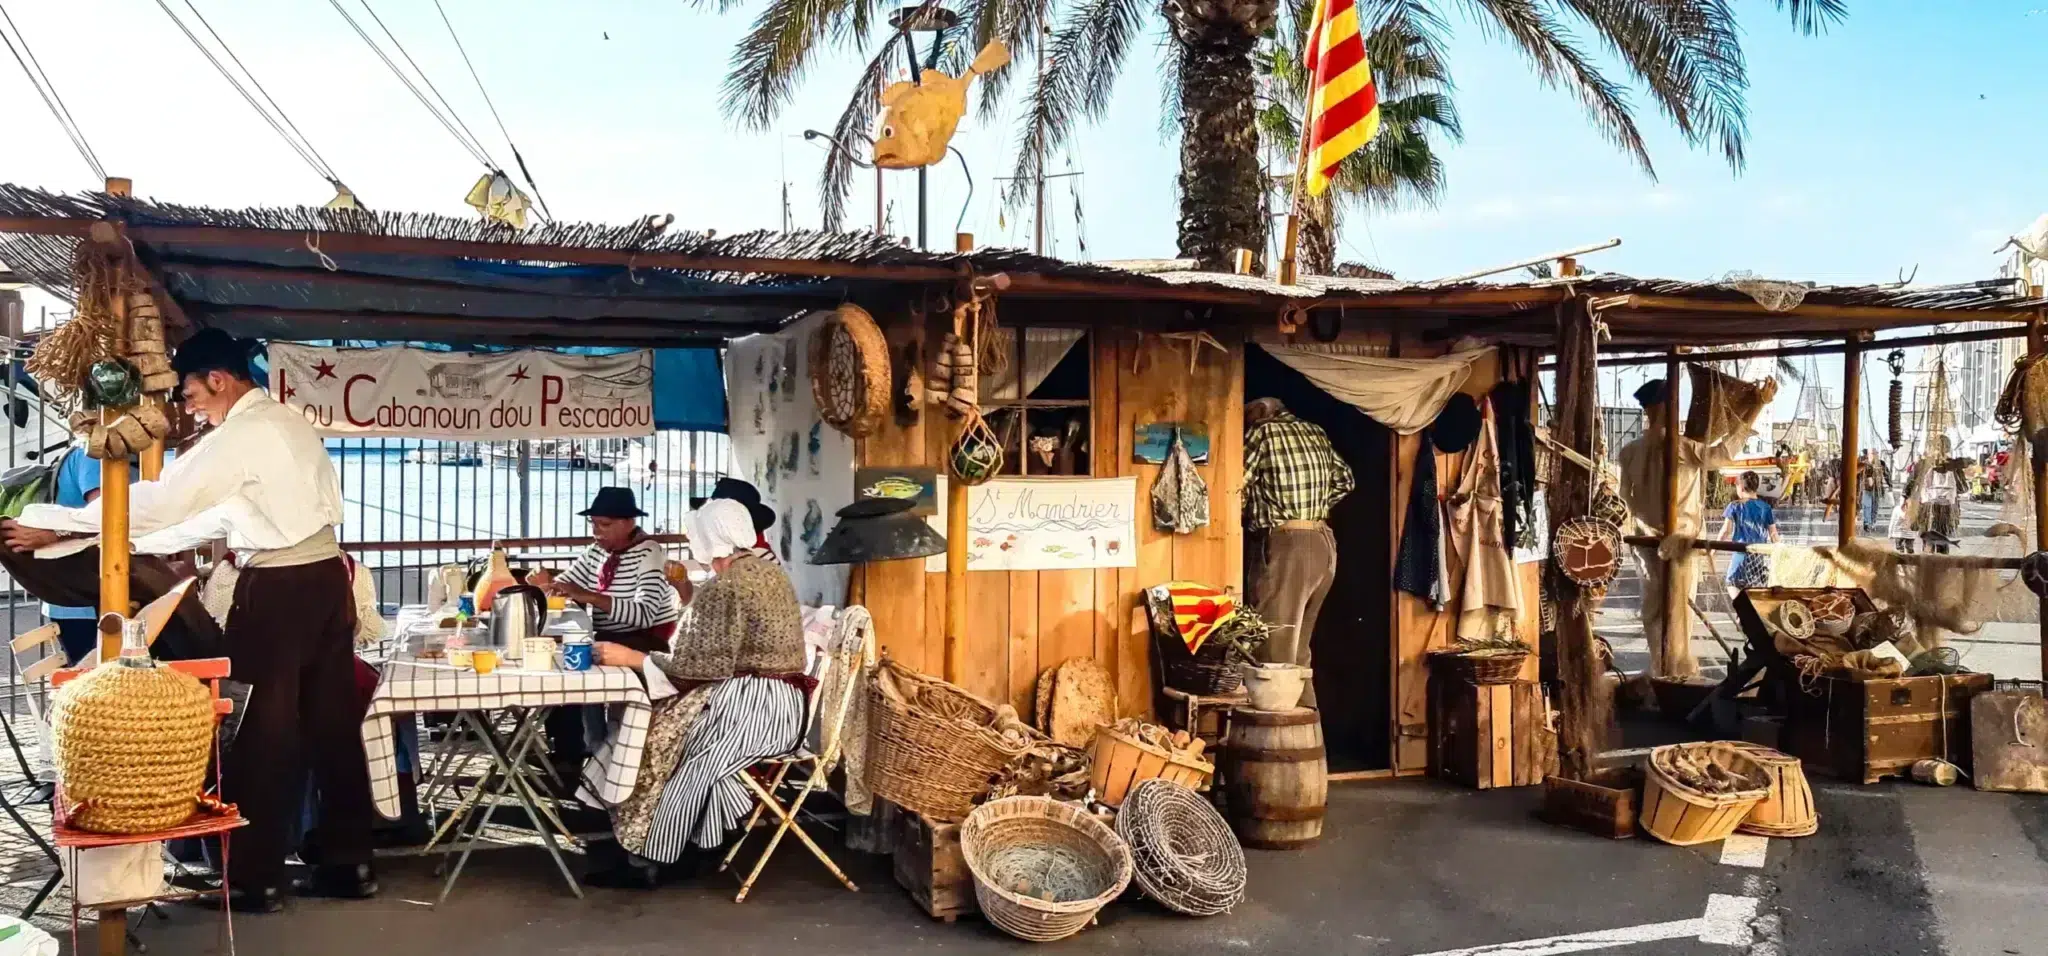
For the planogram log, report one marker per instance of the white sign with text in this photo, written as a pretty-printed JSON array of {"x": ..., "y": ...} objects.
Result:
[
  {"x": 403, "y": 392},
  {"x": 1046, "y": 524}
]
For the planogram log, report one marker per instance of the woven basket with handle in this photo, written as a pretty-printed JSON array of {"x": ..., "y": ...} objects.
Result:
[
  {"x": 934, "y": 748},
  {"x": 131, "y": 747}
]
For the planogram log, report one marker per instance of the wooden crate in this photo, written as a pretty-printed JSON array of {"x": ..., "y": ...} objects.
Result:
[
  {"x": 1869, "y": 730},
  {"x": 2009, "y": 732},
  {"x": 1604, "y": 805},
  {"x": 1490, "y": 735},
  {"x": 930, "y": 866}
]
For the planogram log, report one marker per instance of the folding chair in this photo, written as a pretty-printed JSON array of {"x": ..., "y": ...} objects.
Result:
[{"x": 853, "y": 633}]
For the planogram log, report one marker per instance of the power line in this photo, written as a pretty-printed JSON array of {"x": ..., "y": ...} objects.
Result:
[
  {"x": 48, "y": 92},
  {"x": 278, "y": 121},
  {"x": 514, "y": 147},
  {"x": 469, "y": 145}
]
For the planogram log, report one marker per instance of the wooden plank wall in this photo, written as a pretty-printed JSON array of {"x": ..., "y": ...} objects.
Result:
[
  {"x": 1025, "y": 621},
  {"x": 1418, "y": 629}
]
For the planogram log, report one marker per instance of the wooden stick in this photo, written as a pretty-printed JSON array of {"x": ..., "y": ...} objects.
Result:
[
  {"x": 1677, "y": 654},
  {"x": 2037, "y": 346},
  {"x": 1291, "y": 236},
  {"x": 1745, "y": 306},
  {"x": 956, "y": 517},
  {"x": 1852, "y": 393}
]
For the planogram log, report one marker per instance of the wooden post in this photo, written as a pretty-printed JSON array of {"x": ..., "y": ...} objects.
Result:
[
  {"x": 1582, "y": 730},
  {"x": 2037, "y": 346},
  {"x": 1852, "y": 413},
  {"x": 114, "y": 488},
  {"x": 1291, "y": 235},
  {"x": 1677, "y": 630},
  {"x": 956, "y": 518}
]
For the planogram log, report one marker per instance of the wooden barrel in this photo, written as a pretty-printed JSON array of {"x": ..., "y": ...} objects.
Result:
[{"x": 1276, "y": 780}]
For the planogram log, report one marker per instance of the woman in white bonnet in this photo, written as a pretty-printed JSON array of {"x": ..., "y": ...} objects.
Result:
[{"x": 729, "y": 691}]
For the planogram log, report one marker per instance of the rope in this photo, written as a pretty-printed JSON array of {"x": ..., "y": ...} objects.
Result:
[
  {"x": 517, "y": 159},
  {"x": 302, "y": 145},
  {"x": 469, "y": 145},
  {"x": 48, "y": 92}
]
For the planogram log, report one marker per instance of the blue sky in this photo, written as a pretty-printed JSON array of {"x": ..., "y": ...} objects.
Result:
[{"x": 1908, "y": 135}]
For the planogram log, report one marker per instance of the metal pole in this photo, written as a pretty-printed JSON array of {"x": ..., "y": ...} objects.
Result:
[{"x": 525, "y": 488}]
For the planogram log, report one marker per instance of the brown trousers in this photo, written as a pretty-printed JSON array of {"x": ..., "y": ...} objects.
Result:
[
  {"x": 291, "y": 636},
  {"x": 74, "y": 581},
  {"x": 1292, "y": 572}
]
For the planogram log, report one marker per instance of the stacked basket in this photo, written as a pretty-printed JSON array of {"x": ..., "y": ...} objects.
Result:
[
  {"x": 1679, "y": 812},
  {"x": 934, "y": 748}
]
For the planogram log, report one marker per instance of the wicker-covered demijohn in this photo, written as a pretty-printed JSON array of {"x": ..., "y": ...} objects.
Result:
[
  {"x": 1182, "y": 852},
  {"x": 934, "y": 748},
  {"x": 131, "y": 747},
  {"x": 1042, "y": 868}
]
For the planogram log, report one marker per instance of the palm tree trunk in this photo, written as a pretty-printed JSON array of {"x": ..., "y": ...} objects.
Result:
[
  {"x": 1221, "y": 180},
  {"x": 1319, "y": 235}
]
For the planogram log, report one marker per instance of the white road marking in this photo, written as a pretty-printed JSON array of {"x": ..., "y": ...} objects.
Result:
[
  {"x": 1741, "y": 849},
  {"x": 1726, "y": 922}
]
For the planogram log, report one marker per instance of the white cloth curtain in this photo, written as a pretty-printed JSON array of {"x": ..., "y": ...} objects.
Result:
[
  {"x": 1402, "y": 394},
  {"x": 1043, "y": 350}
]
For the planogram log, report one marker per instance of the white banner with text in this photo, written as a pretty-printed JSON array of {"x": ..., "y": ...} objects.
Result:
[
  {"x": 402, "y": 392},
  {"x": 1046, "y": 524}
]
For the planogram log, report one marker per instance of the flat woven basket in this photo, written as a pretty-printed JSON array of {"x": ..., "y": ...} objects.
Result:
[
  {"x": 849, "y": 366},
  {"x": 1042, "y": 868},
  {"x": 932, "y": 747},
  {"x": 1182, "y": 852},
  {"x": 131, "y": 747}
]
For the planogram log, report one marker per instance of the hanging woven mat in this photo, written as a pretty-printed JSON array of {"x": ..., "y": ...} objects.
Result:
[
  {"x": 1182, "y": 852},
  {"x": 850, "y": 371}
]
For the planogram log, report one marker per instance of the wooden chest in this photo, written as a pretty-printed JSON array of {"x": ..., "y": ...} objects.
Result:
[
  {"x": 1490, "y": 735},
  {"x": 1868, "y": 730},
  {"x": 930, "y": 866}
]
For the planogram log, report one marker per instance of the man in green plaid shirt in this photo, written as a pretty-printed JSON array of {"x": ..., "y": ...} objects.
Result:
[{"x": 1293, "y": 477}]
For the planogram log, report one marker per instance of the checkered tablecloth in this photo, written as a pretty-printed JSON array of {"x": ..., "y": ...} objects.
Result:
[{"x": 408, "y": 687}]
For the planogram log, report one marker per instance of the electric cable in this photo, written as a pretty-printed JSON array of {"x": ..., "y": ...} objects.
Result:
[
  {"x": 517, "y": 159},
  {"x": 47, "y": 91}
]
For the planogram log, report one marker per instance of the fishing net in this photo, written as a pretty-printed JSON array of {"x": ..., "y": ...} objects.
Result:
[{"x": 1772, "y": 294}]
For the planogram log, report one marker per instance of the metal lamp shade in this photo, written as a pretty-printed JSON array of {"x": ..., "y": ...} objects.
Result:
[{"x": 878, "y": 530}]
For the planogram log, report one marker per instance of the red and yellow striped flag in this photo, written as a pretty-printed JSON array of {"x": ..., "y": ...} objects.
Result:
[{"x": 1343, "y": 107}]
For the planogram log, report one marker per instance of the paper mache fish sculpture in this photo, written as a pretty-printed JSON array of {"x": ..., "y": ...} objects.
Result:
[{"x": 919, "y": 119}]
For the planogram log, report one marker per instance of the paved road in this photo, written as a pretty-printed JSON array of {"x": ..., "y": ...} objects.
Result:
[{"x": 1407, "y": 869}]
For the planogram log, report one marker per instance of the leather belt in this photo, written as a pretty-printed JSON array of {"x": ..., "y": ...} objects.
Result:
[{"x": 1299, "y": 525}]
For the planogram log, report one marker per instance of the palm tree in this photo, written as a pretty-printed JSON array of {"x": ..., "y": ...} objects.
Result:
[
  {"x": 1686, "y": 55},
  {"x": 1400, "y": 165}
]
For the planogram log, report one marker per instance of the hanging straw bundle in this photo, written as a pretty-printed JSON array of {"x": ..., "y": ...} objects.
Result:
[{"x": 63, "y": 360}]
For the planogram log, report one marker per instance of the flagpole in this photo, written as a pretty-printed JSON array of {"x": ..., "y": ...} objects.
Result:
[{"x": 1292, "y": 234}]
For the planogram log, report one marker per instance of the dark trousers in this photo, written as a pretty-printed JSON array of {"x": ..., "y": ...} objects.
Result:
[
  {"x": 77, "y": 636},
  {"x": 74, "y": 581},
  {"x": 291, "y": 637}
]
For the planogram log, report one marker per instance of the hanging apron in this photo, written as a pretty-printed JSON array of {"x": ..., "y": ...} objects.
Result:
[{"x": 1492, "y": 589}]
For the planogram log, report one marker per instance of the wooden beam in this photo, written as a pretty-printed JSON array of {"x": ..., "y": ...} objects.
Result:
[
  {"x": 1677, "y": 630},
  {"x": 956, "y": 515},
  {"x": 1852, "y": 395},
  {"x": 1829, "y": 348},
  {"x": 1583, "y": 728},
  {"x": 250, "y": 272},
  {"x": 114, "y": 473},
  {"x": 324, "y": 324},
  {"x": 2037, "y": 349},
  {"x": 1891, "y": 314}
]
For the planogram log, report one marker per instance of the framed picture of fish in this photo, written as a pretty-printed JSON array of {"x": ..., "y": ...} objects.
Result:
[
  {"x": 917, "y": 484},
  {"x": 1155, "y": 439}
]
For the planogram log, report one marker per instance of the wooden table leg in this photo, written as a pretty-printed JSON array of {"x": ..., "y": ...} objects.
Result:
[{"x": 113, "y": 932}]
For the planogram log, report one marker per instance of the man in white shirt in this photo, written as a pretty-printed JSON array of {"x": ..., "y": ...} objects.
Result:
[{"x": 263, "y": 476}]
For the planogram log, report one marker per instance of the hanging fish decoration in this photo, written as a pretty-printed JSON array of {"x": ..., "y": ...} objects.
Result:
[
  {"x": 814, "y": 524},
  {"x": 919, "y": 119},
  {"x": 789, "y": 458},
  {"x": 785, "y": 552},
  {"x": 817, "y": 447}
]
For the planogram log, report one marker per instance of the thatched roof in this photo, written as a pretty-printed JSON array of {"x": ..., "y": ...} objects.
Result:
[{"x": 306, "y": 272}]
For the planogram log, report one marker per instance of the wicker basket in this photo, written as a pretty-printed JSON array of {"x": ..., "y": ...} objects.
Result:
[
  {"x": 1182, "y": 852},
  {"x": 1120, "y": 762},
  {"x": 1492, "y": 666},
  {"x": 1787, "y": 808},
  {"x": 1208, "y": 672},
  {"x": 1042, "y": 868},
  {"x": 131, "y": 747},
  {"x": 932, "y": 747},
  {"x": 1683, "y": 816}
]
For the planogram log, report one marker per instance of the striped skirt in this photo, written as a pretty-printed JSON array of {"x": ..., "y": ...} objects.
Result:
[{"x": 746, "y": 719}]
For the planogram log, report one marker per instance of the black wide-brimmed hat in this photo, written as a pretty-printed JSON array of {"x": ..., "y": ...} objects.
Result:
[
  {"x": 1653, "y": 392},
  {"x": 733, "y": 489},
  {"x": 613, "y": 503},
  {"x": 1457, "y": 426}
]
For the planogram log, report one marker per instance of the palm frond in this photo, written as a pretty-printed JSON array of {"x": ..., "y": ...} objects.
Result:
[
  {"x": 835, "y": 180},
  {"x": 1550, "y": 47},
  {"x": 1688, "y": 55},
  {"x": 1171, "y": 113},
  {"x": 1813, "y": 17},
  {"x": 1082, "y": 60},
  {"x": 1021, "y": 26},
  {"x": 770, "y": 60}
]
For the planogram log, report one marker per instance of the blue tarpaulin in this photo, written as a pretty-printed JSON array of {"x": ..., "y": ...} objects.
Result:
[{"x": 689, "y": 384}]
